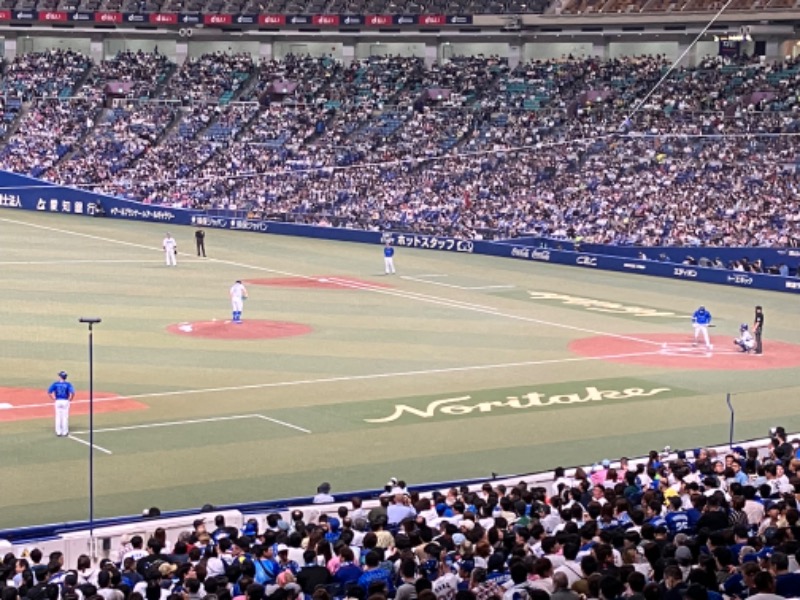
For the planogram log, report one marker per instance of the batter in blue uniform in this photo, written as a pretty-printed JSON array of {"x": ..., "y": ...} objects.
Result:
[{"x": 701, "y": 319}]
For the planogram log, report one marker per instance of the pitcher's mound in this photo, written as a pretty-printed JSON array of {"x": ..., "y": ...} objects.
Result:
[{"x": 248, "y": 329}]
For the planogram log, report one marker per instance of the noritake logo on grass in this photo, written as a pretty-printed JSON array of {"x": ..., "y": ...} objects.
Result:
[
  {"x": 464, "y": 405},
  {"x": 604, "y": 306}
]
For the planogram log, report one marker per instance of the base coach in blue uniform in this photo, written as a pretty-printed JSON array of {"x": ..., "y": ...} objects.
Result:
[{"x": 61, "y": 393}]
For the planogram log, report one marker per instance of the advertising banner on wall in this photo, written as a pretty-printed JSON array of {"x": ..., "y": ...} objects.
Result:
[{"x": 25, "y": 193}]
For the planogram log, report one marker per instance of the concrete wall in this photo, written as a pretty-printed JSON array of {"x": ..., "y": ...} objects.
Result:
[
  {"x": 27, "y": 44},
  {"x": 282, "y": 48},
  {"x": 197, "y": 48},
  {"x": 556, "y": 50},
  {"x": 620, "y": 49},
  {"x": 114, "y": 45},
  {"x": 365, "y": 49},
  {"x": 449, "y": 50}
]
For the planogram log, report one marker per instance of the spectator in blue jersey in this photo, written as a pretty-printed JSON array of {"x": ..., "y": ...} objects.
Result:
[
  {"x": 676, "y": 518},
  {"x": 267, "y": 568},
  {"x": 61, "y": 393},
  {"x": 348, "y": 572},
  {"x": 284, "y": 564},
  {"x": 388, "y": 258},
  {"x": 787, "y": 584},
  {"x": 222, "y": 531},
  {"x": 741, "y": 539},
  {"x": 374, "y": 572},
  {"x": 334, "y": 531}
]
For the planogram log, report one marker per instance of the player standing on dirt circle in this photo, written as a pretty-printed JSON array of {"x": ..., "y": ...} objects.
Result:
[
  {"x": 61, "y": 393},
  {"x": 758, "y": 326},
  {"x": 238, "y": 296}
]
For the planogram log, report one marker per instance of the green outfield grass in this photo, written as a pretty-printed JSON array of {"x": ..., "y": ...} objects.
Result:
[{"x": 430, "y": 379}]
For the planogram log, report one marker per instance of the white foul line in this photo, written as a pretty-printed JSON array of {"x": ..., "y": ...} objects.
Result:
[
  {"x": 483, "y": 309},
  {"x": 192, "y": 422},
  {"x": 284, "y": 423},
  {"x": 457, "y": 287},
  {"x": 84, "y": 261},
  {"x": 85, "y": 443},
  {"x": 345, "y": 378}
]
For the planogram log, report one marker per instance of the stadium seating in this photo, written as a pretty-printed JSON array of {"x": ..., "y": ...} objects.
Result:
[
  {"x": 467, "y": 148},
  {"x": 289, "y": 6},
  {"x": 694, "y": 524},
  {"x": 668, "y": 6}
]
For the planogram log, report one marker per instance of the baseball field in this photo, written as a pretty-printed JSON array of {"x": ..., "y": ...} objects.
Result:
[{"x": 457, "y": 367}]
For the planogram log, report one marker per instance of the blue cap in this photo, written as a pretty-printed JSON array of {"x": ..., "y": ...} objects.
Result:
[
  {"x": 62, "y": 374},
  {"x": 752, "y": 557}
]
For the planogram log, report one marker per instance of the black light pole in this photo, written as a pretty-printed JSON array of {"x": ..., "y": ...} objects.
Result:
[{"x": 91, "y": 321}]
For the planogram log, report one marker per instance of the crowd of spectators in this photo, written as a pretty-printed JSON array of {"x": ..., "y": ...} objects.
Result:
[
  {"x": 211, "y": 78},
  {"x": 578, "y": 148},
  {"x": 690, "y": 525},
  {"x": 54, "y": 73}
]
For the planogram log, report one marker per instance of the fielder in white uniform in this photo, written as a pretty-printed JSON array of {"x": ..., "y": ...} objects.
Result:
[
  {"x": 170, "y": 251},
  {"x": 238, "y": 296}
]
